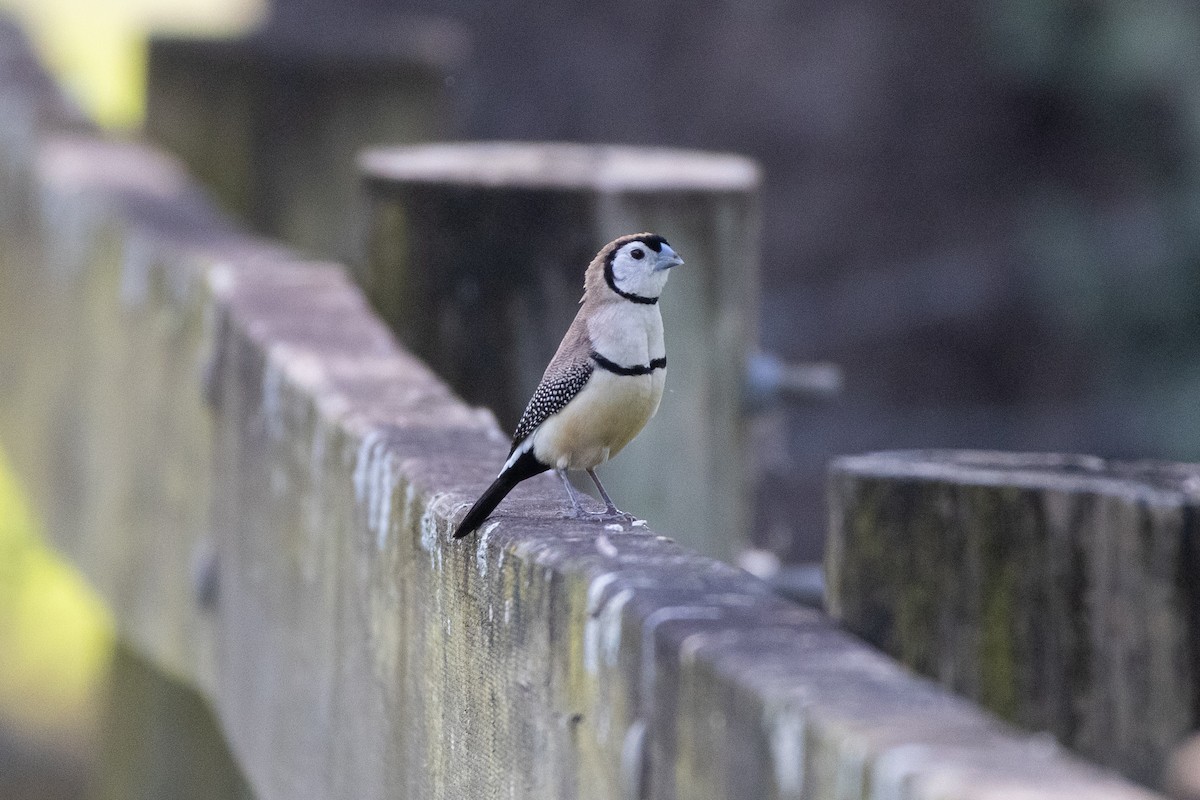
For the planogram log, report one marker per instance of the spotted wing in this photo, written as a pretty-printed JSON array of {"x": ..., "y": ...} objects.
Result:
[{"x": 560, "y": 383}]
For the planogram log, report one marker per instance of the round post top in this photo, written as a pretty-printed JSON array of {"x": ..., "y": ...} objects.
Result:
[
  {"x": 1152, "y": 481},
  {"x": 561, "y": 166}
]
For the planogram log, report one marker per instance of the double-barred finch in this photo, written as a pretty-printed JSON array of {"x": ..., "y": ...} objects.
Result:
[{"x": 604, "y": 383}]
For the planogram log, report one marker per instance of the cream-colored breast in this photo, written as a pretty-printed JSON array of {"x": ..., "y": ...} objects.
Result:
[{"x": 603, "y": 418}]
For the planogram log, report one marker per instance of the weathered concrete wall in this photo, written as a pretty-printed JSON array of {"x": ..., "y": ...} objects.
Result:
[
  {"x": 1059, "y": 591},
  {"x": 262, "y": 484}
]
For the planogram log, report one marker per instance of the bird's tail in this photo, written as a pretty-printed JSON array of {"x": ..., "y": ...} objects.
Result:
[
  {"x": 486, "y": 504},
  {"x": 524, "y": 467}
]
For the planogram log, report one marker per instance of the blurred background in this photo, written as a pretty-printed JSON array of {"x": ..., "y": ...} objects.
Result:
[
  {"x": 56, "y": 638},
  {"x": 984, "y": 212}
]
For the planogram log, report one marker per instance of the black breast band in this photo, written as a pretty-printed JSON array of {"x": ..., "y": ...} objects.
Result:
[{"x": 636, "y": 369}]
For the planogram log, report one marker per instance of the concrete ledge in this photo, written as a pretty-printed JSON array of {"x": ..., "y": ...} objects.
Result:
[{"x": 262, "y": 485}]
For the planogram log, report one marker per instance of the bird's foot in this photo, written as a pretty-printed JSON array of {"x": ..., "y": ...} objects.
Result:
[
  {"x": 617, "y": 515},
  {"x": 578, "y": 512},
  {"x": 607, "y": 515}
]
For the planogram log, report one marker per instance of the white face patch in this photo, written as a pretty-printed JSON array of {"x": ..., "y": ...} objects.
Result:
[{"x": 634, "y": 272}]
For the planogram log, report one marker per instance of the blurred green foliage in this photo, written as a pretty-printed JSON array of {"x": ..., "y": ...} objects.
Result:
[
  {"x": 97, "y": 48},
  {"x": 55, "y": 635}
]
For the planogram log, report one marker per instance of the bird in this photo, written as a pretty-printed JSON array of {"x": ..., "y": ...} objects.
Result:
[{"x": 604, "y": 382}]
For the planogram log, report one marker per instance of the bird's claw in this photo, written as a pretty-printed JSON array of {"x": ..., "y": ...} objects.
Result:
[
  {"x": 582, "y": 513},
  {"x": 607, "y": 515}
]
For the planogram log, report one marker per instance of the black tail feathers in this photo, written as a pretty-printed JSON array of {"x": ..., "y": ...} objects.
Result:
[
  {"x": 485, "y": 505},
  {"x": 523, "y": 468}
]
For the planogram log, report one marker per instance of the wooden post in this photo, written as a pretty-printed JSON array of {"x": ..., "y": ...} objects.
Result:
[
  {"x": 476, "y": 257},
  {"x": 272, "y": 122},
  {"x": 1060, "y": 591}
]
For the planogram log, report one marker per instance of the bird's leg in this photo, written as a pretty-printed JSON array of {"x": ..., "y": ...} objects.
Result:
[
  {"x": 610, "y": 508},
  {"x": 577, "y": 509}
]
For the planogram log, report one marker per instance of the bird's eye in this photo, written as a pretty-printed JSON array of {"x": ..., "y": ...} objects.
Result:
[{"x": 638, "y": 253}]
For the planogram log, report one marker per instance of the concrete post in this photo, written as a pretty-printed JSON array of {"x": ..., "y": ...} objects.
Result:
[
  {"x": 1060, "y": 591},
  {"x": 272, "y": 122},
  {"x": 476, "y": 257}
]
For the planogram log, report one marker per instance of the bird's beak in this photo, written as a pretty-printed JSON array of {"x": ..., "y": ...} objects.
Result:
[{"x": 667, "y": 258}]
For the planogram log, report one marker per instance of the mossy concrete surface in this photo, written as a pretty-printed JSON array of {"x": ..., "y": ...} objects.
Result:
[
  {"x": 262, "y": 485},
  {"x": 1059, "y": 591}
]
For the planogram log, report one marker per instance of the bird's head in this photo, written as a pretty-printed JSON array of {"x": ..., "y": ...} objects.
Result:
[{"x": 632, "y": 267}]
